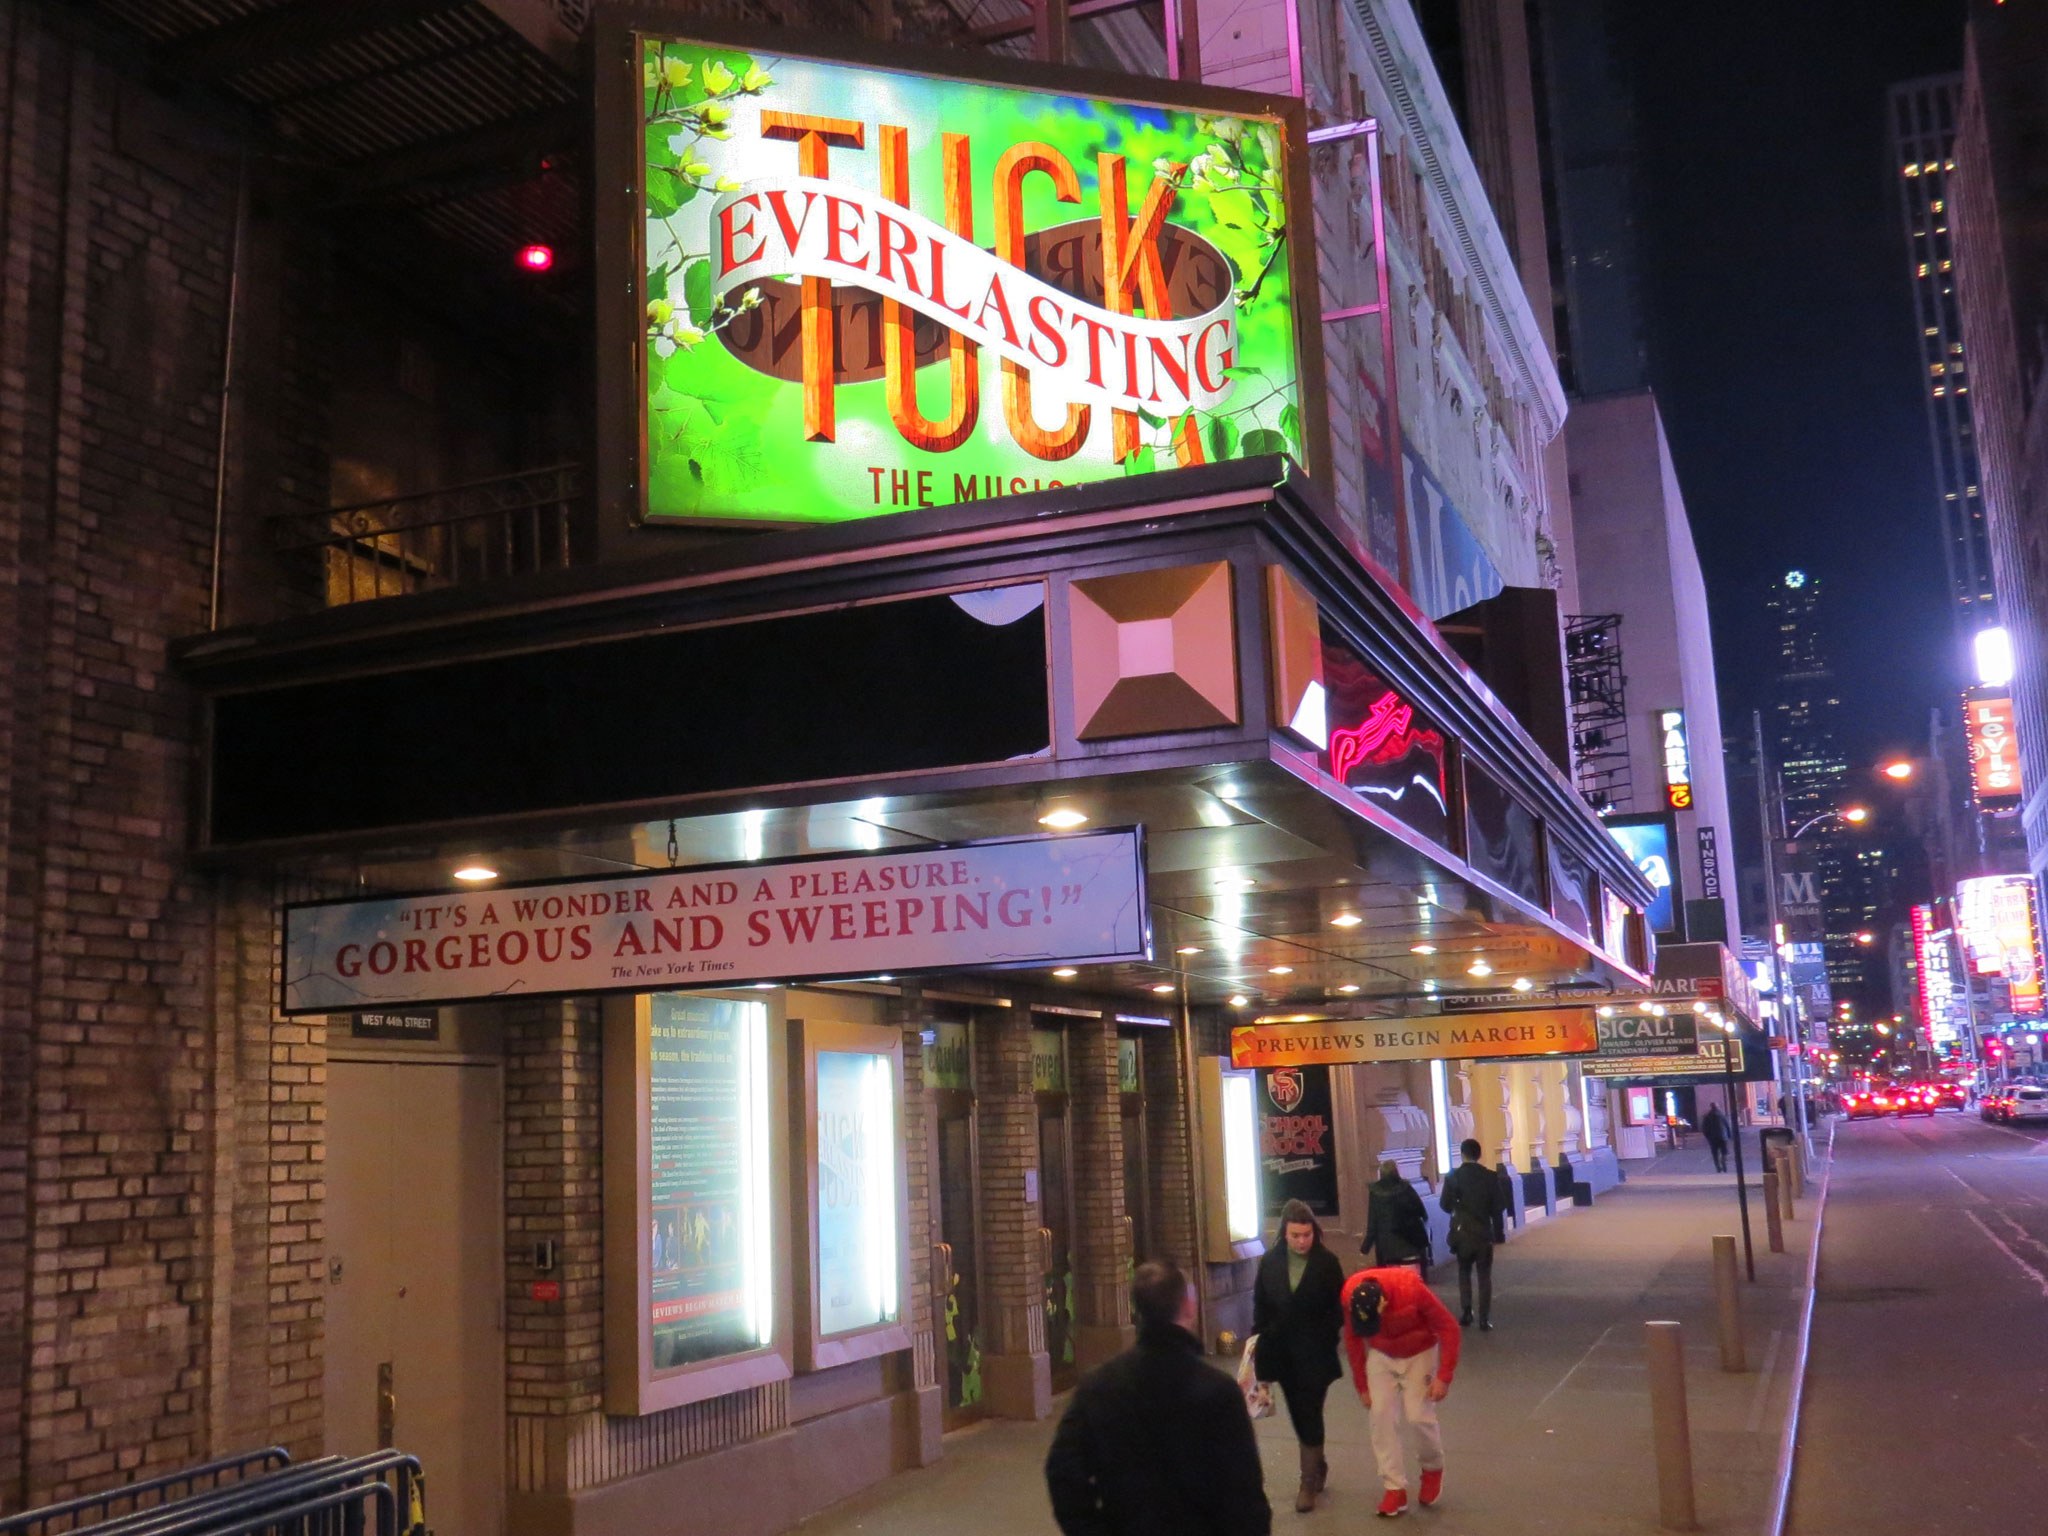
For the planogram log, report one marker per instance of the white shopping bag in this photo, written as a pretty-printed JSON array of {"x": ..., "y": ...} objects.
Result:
[{"x": 1258, "y": 1397}]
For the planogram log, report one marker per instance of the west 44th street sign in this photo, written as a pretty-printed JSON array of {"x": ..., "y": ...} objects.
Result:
[{"x": 868, "y": 290}]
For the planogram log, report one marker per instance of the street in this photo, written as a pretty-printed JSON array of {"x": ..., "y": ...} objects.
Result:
[{"x": 1929, "y": 1372}]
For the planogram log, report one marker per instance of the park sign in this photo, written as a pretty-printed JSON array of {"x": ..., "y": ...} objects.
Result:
[{"x": 861, "y": 287}]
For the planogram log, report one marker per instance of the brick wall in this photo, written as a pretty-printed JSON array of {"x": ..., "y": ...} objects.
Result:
[
  {"x": 160, "y": 1138},
  {"x": 1007, "y": 1137},
  {"x": 1102, "y": 1243},
  {"x": 1166, "y": 1138}
]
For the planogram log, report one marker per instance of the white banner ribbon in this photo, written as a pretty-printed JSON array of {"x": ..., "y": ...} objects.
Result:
[{"x": 806, "y": 226}]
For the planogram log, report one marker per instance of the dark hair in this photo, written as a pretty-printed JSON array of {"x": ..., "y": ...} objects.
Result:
[
  {"x": 1469, "y": 1150},
  {"x": 1295, "y": 1213},
  {"x": 1158, "y": 1291}
]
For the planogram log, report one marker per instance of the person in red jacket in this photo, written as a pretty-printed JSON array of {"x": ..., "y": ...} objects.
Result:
[{"x": 1403, "y": 1346}]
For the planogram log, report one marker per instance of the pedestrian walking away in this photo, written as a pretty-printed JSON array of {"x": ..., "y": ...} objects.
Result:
[
  {"x": 1403, "y": 1347},
  {"x": 1156, "y": 1442},
  {"x": 1297, "y": 1315},
  {"x": 1472, "y": 1198},
  {"x": 1396, "y": 1225},
  {"x": 1715, "y": 1128}
]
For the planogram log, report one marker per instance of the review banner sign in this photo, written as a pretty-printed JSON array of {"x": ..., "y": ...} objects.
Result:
[
  {"x": 859, "y": 289},
  {"x": 1024, "y": 901},
  {"x": 1332, "y": 1042}
]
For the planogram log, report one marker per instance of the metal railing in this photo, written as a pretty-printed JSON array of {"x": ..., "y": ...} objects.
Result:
[
  {"x": 91, "y": 1508},
  {"x": 330, "y": 1496},
  {"x": 453, "y": 536}
]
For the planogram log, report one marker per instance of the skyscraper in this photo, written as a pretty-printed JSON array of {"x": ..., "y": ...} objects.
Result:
[
  {"x": 1922, "y": 116},
  {"x": 1805, "y": 709}
]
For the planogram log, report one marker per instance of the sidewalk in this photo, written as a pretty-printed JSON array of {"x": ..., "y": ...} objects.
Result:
[{"x": 1547, "y": 1426}]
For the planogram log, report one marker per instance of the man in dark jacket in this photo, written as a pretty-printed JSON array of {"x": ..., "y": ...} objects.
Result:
[
  {"x": 1714, "y": 1126},
  {"x": 1471, "y": 1196},
  {"x": 1296, "y": 1316},
  {"x": 1396, "y": 1226},
  {"x": 1157, "y": 1442}
]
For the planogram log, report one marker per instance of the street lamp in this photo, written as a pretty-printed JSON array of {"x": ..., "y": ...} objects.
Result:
[
  {"x": 1866, "y": 937},
  {"x": 1898, "y": 772},
  {"x": 1854, "y": 815}
]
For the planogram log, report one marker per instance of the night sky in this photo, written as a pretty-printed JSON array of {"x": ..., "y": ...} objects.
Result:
[{"x": 1782, "y": 335}]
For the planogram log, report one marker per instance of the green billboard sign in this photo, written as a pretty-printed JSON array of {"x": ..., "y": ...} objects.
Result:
[{"x": 861, "y": 290}]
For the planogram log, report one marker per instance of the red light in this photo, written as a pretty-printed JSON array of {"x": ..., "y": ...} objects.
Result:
[{"x": 536, "y": 258}]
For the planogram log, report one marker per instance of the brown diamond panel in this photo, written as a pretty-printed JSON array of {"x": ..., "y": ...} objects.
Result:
[{"x": 1153, "y": 651}]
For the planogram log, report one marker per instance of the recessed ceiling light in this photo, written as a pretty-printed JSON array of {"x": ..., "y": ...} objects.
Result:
[
  {"x": 1524, "y": 984},
  {"x": 476, "y": 873},
  {"x": 1163, "y": 988},
  {"x": 1281, "y": 970},
  {"x": 1478, "y": 968},
  {"x": 1228, "y": 791},
  {"x": 1429, "y": 986},
  {"x": 1421, "y": 949},
  {"x": 1349, "y": 986},
  {"x": 1064, "y": 819},
  {"x": 1189, "y": 949},
  {"x": 1239, "y": 1001},
  {"x": 1066, "y": 971},
  {"x": 1346, "y": 920}
]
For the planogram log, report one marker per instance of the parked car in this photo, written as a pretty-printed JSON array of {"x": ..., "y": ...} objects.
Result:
[{"x": 2027, "y": 1102}]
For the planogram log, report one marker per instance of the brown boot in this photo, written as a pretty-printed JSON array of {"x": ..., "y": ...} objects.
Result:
[
  {"x": 1322, "y": 1471},
  {"x": 1305, "y": 1495}
]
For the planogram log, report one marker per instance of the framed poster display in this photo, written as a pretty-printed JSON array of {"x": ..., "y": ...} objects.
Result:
[
  {"x": 853, "y": 1268},
  {"x": 695, "y": 1183}
]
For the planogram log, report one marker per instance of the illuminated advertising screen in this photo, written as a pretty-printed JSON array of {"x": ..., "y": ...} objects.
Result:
[
  {"x": 1677, "y": 757},
  {"x": 1998, "y": 925},
  {"x": 710, "y": 1290},
  {"x": 1296, "y": 1146},
  {"x": 864, "y": 289},
  {"x": 1647, "y": 842},
  {"x": 1381, "y": 747},
  {"x": 1994, "y": 752},
  {"x": 857, "y": 1154}
]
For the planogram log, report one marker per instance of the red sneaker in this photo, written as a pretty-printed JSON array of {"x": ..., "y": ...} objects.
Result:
[
  {"x": 1432, "y": 1486},
  {"x": 1394, "y": 1504}
]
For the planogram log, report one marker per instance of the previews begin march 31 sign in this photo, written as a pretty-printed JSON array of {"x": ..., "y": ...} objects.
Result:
[
  {"x": 867, "y": 290},
  {"x": 1023, "y": 901}
]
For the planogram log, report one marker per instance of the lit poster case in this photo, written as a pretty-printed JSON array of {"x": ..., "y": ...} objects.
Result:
[
  {"x": 852, "y": 1257},
  {"x": 695, "y": 1186},
  {"x": 1231, "y": 1161}
]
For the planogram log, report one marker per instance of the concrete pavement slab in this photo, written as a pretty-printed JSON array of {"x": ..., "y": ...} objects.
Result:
[{"x": 1547, "y": 1427}]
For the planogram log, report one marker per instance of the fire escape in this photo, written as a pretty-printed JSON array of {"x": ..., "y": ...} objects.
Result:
[{"x": 1598, "y": 691}]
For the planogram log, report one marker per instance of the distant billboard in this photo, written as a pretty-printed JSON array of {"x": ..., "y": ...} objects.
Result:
[
  {"x": 1994, "y": 751},
  {"x": 1648, "y": 841},
  {"x": 2001, "y": 934}
]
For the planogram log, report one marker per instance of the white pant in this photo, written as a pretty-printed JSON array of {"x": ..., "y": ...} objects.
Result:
[{"x": 1400, "y": 1394}]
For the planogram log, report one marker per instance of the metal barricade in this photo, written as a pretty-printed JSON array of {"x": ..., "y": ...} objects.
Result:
[{"x": 150, "y": 1492}]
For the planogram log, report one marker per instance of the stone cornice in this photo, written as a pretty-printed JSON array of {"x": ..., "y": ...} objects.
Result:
[{"x": 1409, "y": 79}]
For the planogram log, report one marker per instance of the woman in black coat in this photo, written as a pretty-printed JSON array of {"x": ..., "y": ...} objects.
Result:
[
  {"x": 1396, "y": 1225},
  {"x": 1297, "y": 1313}
]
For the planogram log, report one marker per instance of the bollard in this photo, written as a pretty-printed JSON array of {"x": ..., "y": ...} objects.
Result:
[
  {"x": 1670, "y": 1431},
  {"x": 1728, "y": 1305},
  {"x": 1772, "y": 1220}
]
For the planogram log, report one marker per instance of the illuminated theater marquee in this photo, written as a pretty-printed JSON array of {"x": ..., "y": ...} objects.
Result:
[{"x": 867, "y": 290}]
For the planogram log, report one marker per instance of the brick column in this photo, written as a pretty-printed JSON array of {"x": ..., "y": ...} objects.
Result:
[
  {"x": 1016, "y": 1367},
  {"x": 554, "y": 1189},
  {"x": 918, "y": 1234},
  {"x": 1102, "y": 1238},
  {"x": 1167, "y": 1151}
]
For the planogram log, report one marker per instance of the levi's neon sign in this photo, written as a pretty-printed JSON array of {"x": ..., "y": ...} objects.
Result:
[{"x": 867, "y": 290}]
